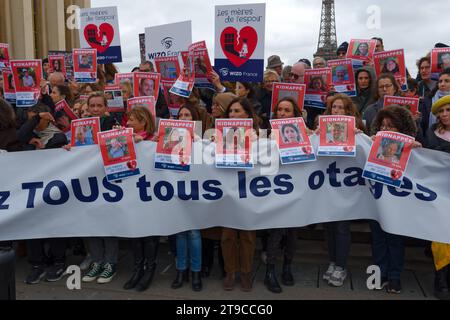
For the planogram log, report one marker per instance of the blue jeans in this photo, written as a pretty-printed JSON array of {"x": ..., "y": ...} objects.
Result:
[
  {"x": 388, "y": 251},
  {"x": 189, "y": 242},
  {"x": 339, "y": 242}
]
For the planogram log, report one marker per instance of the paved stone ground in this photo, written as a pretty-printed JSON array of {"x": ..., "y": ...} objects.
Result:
[{"x": 310, "y": 263}]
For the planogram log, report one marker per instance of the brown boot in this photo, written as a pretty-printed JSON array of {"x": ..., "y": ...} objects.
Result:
[
  {"x": 246, "y": 282},
  {"x": 228, "y": 282}
]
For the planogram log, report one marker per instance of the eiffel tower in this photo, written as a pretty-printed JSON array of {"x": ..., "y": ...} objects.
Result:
[{"x": 327, "y": 39}]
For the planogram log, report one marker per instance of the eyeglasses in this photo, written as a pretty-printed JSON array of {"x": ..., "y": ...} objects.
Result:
[
  {"x": 295, "y": 76},
  {"x": 386, "y": 86}
]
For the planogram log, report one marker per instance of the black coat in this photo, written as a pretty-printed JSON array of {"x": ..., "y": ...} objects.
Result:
[
  {"x": 434, "y": 142},
  {"x": 26, "y": 133}
]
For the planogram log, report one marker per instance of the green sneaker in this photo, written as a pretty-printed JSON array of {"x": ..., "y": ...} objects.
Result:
[
  {"x": 94, "y": 272},
  {"x": 109, "y": 271}
]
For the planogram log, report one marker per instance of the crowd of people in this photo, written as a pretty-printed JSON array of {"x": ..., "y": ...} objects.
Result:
[{"x": 42, "y": 127}]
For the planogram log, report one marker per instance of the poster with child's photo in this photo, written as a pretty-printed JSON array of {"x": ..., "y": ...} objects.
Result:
[
  {"x": 343, "y": 76},
  {"x": 388, "y": 158},
  {"x": 318, "y": 83},
  {"x": 234, "y": 146},
  {"x": 174, "y": 149},
  {"x": 337, "y": 136},
  {"x": 118, "y": 154}
]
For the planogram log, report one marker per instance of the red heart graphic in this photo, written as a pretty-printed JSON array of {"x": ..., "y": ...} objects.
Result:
[
  {"x": 396, "y": 174},
  {"x": 132, "y": 165},
  {"x": 307, "y": 150},
  {"x": 348, "y": 149},
  {"x": 238, "y": 48},
  {"x": 99, "y": 38}
]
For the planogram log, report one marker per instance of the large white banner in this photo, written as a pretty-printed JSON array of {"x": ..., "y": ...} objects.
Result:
[
  {"x": 99, "y": 29},
  {"x": 168, "y": 40},
  {"x": 56, "y": 193}
]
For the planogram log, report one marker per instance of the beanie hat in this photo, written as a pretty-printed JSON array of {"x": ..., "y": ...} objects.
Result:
[
  {"x": 342, "y": 47},
  {"x": 224, "y": 99}
]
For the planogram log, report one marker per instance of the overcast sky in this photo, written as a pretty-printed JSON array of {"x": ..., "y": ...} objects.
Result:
[{"x": 292, "y": 26}]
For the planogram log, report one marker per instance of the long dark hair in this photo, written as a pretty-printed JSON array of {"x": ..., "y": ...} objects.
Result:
[
  {"x": 248, "y": 108},
  {"x": 251, "y": 91},
  {"x": 65, "y": 91}
]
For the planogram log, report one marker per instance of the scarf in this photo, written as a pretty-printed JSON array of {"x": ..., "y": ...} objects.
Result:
[
  {"x": 47, "y": 134},
  {"x": 439, "y": 94}
]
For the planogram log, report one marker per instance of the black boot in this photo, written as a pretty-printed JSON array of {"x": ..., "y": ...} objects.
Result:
[
  {"x": 147, "y": 278},
  {"x": 138, "y": 272},
  {"x": 270, "y": 281},
  {"x": 182, "y": 276},
  {"x": 287, "y": 278},
  {"x": 441, "y": 289},
  {"x": 196, "y": 281}
]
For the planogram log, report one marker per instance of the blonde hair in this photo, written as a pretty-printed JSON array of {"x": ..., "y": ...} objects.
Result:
[
  {"x": 142, "y": 114},
  {"x": 268, "y": 73}
]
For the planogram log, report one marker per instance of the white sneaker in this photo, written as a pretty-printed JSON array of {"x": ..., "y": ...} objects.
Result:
[
  {"x": 86, "y": 262},
  {"x": 329, "y": 272},
  {"x": 338, "y": 277}
]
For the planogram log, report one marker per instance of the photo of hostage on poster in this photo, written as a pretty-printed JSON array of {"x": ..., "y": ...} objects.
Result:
[
  {"x": 412, "y": 104},
  {"x": 57, "y": 64},
  {"x": 392, "y": 62},
  {"x": 440, "y": 59},
  {"x": 85, "y": 65},
  {"x": 337, "y": 136},
  {"x": 343, "y": 76},
  {"x": 293, "y": 141},
  {"x": 146, "y": 84},
  {"x": 185, "y": 82},
  {"x": 168, "y": 68},
  {"x": 85, "y": 132},
  {"x": 118, "y": 153},
  {"x": 318, "y": 82},
  {"x": 284, "y": 90},
  {"x": 234, "y": 145},
  {"x": 174, "y": 148},
  {"x": 27, "y": 78},
  {"x": 4, "y": 56},
  {"x": 114, "y": 98},
  {"x": 146, "y": 102},
  {"x": 202, "y": 66},
  {"x": 9, "y": 90},
  {"x": 389, "y": 157}
]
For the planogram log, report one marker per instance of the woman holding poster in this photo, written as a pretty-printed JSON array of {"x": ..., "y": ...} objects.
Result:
[
  {"x": 239, "y": 243},
  {"x": 145, "y": 250},
  {"x": 442, "y": 89},
  {"x": 189, "y": 243},
  {"x": 438, "y": 138},
  {"x": 285, "y": 109},
  {"x": 388, "y": 249},
  {"x": 103, "y": 251},
  {"x": 338, "y": 233}
]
